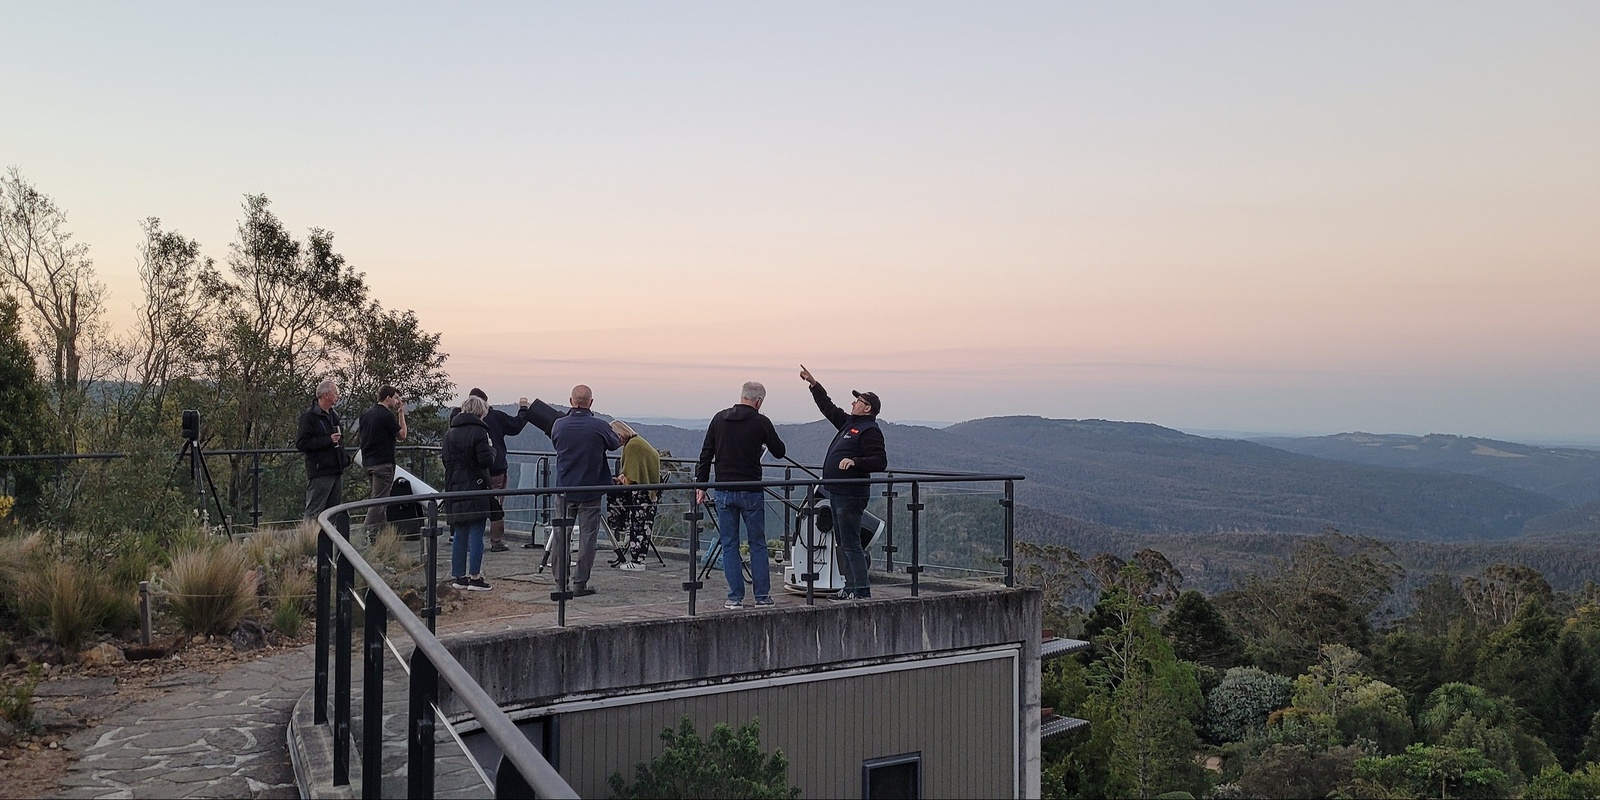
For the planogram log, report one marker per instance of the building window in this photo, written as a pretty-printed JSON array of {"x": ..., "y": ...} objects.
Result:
[{"x": 892, "y": 778}]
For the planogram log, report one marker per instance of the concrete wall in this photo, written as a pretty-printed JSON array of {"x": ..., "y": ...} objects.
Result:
[{"x": 536, "y": 669}]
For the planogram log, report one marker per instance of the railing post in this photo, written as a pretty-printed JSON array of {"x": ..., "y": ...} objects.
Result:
[
  {"x": 419, "y": 726},
  {"x": 693, "y": 585},
  {"x": 344, "y": 579},
  {"x": 255, "y": 490},
  {"x": 373, "y": 633},
  {"x": 324, "y": 630},
  {"x": 562, "y": 563},
  {"x": 915, "y": 507},
  {"x": 1009, "y": 504},
  {"x": 430, "y": 565},
  {"x": 543, "y": 482},
  {"x": 889, "y": 494}
]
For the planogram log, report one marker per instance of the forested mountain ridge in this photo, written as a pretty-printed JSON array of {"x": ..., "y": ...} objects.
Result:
[
  {"x": 1143, "y": 477},
  {"x": 1569, "y": 474}
]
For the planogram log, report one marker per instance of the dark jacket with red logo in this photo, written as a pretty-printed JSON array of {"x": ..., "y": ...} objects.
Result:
[{"x": 859, "y": 439}]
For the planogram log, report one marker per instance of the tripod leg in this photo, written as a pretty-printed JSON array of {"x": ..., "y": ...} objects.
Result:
[{"x": 227, "y": 526}]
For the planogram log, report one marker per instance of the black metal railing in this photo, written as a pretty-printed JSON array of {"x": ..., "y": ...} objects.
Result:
[{"x": 522, "y": 768}]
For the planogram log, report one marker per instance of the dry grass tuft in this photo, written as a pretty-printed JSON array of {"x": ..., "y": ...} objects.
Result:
[
  {"x": 69, "y": 602},
  {"x": 210, "y": 589}
]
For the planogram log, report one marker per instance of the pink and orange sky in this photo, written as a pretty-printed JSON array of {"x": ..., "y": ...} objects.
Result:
[{"x": 1254, "y": 217}]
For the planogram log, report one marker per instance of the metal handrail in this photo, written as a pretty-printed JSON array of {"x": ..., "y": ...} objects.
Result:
[{"x": 432, "y": 662}]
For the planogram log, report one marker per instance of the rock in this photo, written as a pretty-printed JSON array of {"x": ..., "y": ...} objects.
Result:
[
  {"x": 55, "y": 720},
  {"x": 8, "y": 733},
  {"x": 102, "y": 655},
  {"x": 77, "y": 687},
  {"x": 250, "y": 635},
  {"x": 413, "y": 600},
  {"x": 199, "y": 638}
]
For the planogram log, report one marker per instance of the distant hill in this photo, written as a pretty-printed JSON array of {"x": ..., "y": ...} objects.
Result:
[
  {"x": 1143, "y": 477},
  {"x": 1571, "y": 475},
  {"x": 1146, "y": 478}
]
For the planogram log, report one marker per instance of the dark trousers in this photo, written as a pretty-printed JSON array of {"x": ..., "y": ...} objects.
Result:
[{"x": 852, "y": 554}]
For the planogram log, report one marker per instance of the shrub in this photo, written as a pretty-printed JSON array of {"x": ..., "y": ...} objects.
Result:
[
  {"x": 16, "y": 700},
  {"x": 729, "y": 765},
  {"x": 294, "y": 585},
  {"x": 287, "y": 619},
  {"x": 1241, "y": 702},
  {"x": 69, "y": 602},
  {"x": 210, "y": 589}
]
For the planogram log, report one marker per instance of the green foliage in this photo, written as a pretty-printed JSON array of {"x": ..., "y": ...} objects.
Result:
[
  {"x": 1153, "y": 700},
  {"x": 1297, "y": 771},
  {"x": 1463, "y": 716},
  {"x": 16, "y": 699},
  {"x": 209, "y": 589},
  {"x": 731, "y": 764},
  {"x": 287, "y": 618},
  {"x": 1200, "y": 633},
  {"x": 1430, "y": 771},
  {"x": 1240, "y": 704},
  {"x": 24, "y": 429},
  {"x": 1326, "y": 593},
  {"x": 1553, "y": 784}
]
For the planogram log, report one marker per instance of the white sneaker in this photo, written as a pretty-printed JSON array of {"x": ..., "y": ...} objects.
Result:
[{"x": 633, "y": 566}]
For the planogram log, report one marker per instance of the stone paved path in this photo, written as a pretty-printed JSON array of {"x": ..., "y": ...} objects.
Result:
[{"x": 223, "y": 737}]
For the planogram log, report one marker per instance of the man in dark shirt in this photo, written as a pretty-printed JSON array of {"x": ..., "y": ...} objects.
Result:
[
  {"x": 501, "y": 425},
  {"x": 733, "y": 442},
  {"x": 381, "y": 427},
  {"x": 581, "y": 441},
  {"x": 856, "y": 451}
]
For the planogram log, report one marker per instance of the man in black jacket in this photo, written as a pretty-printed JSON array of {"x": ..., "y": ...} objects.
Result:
[
  {"x": 381, "y": 426},
  {"x": 733, "y": 442},
  {"x": 856, "y": 451},
  {"x": 318, "y": 436}
]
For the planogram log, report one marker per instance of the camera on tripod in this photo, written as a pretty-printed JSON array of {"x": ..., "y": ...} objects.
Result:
[{"x": 191, "y": 425}]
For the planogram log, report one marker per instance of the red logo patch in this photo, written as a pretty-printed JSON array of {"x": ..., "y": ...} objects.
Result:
[{"x": 854, "y": 430}]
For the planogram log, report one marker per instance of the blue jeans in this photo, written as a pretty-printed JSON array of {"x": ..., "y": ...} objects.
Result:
[
  {"x": 466, "y": 548},
  {"x": 852, "y": 555},
  {"x": 750, "y": 507}
]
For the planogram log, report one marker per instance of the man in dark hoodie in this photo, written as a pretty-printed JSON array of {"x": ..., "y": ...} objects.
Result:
[
  {"x": 733, "y": 442},
  {"x": 500, "y": 425},
  {"x": 856, "y": 451}
]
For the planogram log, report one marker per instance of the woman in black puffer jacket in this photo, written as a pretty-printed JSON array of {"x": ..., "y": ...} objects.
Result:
[{"x": 467, "y": 459}]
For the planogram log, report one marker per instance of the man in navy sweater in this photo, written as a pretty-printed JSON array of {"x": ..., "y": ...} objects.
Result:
[
  {"x": 581, "y": 441},
  {"x": 856, "y": 451}
]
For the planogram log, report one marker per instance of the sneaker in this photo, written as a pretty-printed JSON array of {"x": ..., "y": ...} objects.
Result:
[
  {"x": 582, "y": 591},
  {"x": 844, "y": 595},
  {"x": 530, "y": 545},
  {"x": 461, "y": 583},
  {"x": 478, "y": 585},
  {"x": 634, "y": 566},
  {"x": 498, "y": 547},
  {"x": 765, "y": 601},
  {"x": 732, "y": 604}
]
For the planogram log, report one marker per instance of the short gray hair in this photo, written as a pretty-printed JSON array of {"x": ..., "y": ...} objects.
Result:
[
  {"x": 327, "y": 386},
  {"x": 475, "y": 406},
  {"x": 753, "y": 391}
]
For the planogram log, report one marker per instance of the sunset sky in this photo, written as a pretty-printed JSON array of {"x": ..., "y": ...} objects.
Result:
[{"x": 1255, "y": 217}]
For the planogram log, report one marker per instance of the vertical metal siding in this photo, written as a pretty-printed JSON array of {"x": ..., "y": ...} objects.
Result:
[{"x": 959, "y": 716}]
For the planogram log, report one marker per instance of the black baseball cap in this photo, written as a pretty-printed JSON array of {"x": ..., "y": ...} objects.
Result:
[{"x": 872, "y": 400}]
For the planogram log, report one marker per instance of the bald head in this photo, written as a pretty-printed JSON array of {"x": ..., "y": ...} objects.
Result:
[{"x": 582, "y": 396}]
